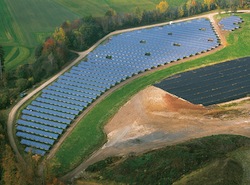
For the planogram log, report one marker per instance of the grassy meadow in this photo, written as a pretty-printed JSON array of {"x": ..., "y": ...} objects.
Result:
[{"x": 88, "y": 135}]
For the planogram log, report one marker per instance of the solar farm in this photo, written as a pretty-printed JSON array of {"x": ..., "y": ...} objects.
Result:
[
  {"x": 230, "y": 23},
  {"x": 119, "y": 58}
]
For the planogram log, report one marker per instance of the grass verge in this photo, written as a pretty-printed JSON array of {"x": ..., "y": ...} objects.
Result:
[{"x": 88, "y": 135}]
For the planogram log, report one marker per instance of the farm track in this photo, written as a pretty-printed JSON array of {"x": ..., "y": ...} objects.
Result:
[{"x": 14, "y": 110}]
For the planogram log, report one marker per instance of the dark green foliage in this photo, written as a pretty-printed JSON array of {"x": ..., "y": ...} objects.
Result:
[
  {"x": 176, "y": 44},
  {"x": 109, "y": 57},
  {"x": 38, "y": 50},
  {"x": 166, "y": 165},
  {"x": 223, "y": 171},
  {"x": 1, "y": 60}
]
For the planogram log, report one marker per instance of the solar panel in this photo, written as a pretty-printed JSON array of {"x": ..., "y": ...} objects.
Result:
[
  {"x": 52, "y": 112},
  {"x": 61, "y": 104},
  {"x": 65, "y": 100},
  {"x": 46, "y": 116},
  {"x": 57, "y": 108},
  {"x": 35, "y": 138},
  {"x": 70, "y": 91},
  {"x": 83, "y": 86},
  {"x": 230, "y": 23},
  {"x": 74, "y": 97},
  {"x": 86, "y": 81},
  {"x": 35, "y": 144},
  {"x": 37, "y": 132},
  {"x": 39, "y": 126},
  {"x": 35, "y": 151},
  {"x": 43, "y": 121}
]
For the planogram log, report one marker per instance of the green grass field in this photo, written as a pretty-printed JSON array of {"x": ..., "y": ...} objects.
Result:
[
  {"x": 88, "y": 134},
  {"x": 98, "y": 8},
  {"x": 24, "y": 30},
  {"x": 27, "y": 23}
]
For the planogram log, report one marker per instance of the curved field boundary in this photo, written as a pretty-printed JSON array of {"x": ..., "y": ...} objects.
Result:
[
  {"x": 11, "y": 55},
  {"x": 23, "y": 54}
]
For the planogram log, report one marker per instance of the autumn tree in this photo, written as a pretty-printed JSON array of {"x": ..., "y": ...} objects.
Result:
[
  {"x": 11, "y": 172},
  {"x": 190, "y": 5},
  {"x": 59, "y": 35},
  {"x": 48, "y": 46},
  {"x": 208, "y": 3},
  {"x": 162, "y": 7},
  {"x": 180, "y": 11}
]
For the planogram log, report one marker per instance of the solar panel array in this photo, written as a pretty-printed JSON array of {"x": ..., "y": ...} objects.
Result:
[
  {"x": 213, "y": 84},
  {"x": 121, "y": 57},
  {"x": 230, "y": 23}
]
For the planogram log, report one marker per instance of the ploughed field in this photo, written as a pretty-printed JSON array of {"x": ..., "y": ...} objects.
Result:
[
  {"x": 122, "y": 56},
  {"x": 211, "y": 85}
]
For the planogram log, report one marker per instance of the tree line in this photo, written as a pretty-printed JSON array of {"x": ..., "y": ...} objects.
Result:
[{"x": 80, "y": 34}]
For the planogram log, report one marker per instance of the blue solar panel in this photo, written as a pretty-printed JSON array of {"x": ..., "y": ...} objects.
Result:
[
  {"x": 35, "y": 144},
  {"x": 46, "y": 116},
  {"x": 57, "y": 108},
  {"x": 35, "y": 138},
  {"x": 39, "y": 126},
  {"x": 35, "y": 151},
  {"x": 53, "y": 102},
  {"x": 65, "y": 100},
  {"x": 70, "y": 91},
  {"x": 52, "y": 112},
  {"x": 79, "y": 89},
  {"x": 94, "y": 83},
  {"x": 79, "y": 83},
  {"x": 73, "y": 97},
  {"x": 230, "y": 23},
  {"x": 43, "y": 121},
  {"x": 37, "y": 132}
]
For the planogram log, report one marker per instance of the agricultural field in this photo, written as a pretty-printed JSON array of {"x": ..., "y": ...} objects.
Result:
[
  {"x": 211, "y": 85},
  {"x": 97, "y": 8},
  {"x": 238, "y": 46},
  {"x": 24, "y": 30}
]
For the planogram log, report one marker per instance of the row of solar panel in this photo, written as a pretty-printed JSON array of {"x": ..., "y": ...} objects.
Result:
[
  {"x": 211, "y": 85},
  {"x": 230, "y": 23}
]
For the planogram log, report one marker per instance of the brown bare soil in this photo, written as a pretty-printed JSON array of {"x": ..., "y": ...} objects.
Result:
[{"x": 154, "y": 111}]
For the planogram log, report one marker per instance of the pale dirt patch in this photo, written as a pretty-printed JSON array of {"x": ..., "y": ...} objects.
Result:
[{"x": 155, "y": 118}]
